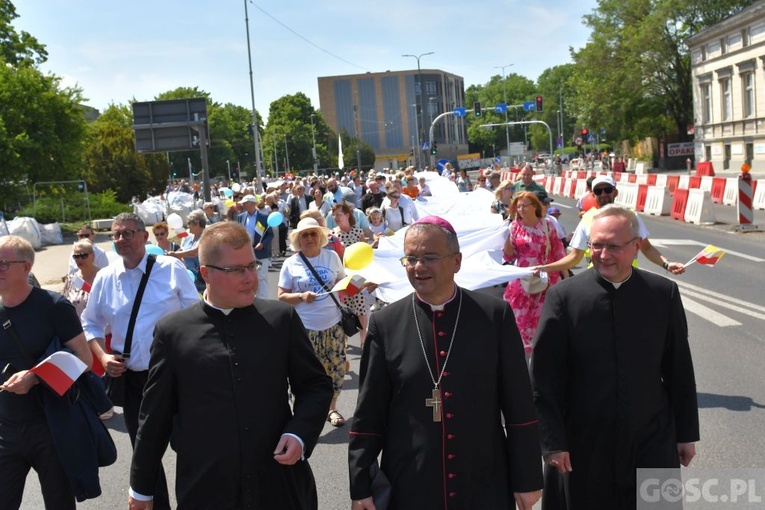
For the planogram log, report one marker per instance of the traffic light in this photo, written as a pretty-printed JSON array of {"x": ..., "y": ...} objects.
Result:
[
  {"x": 540, "y": 104},
  {"x": 434, "y": 148},
  {"x": 585, "y": 132},
  {"x": 477, "y": 108},
  {"x": 411, "y": 151}
]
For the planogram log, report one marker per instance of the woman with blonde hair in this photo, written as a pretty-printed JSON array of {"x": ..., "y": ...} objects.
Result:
[{"x": 503, "y": 195}]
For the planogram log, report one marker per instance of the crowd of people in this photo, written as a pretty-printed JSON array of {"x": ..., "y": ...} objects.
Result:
[{"x": 184, "y": 319}]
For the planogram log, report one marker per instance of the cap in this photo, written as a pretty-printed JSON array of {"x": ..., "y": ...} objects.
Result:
[
  {"x": 543, "y": 197},
  {"x": 349, "y": 196},
  {"x": 249, "y": 198},
  {"x": 495, "y": 175},
  {"x": 553, "y": 211},
  {"x": 437, "y": 221},
  {"x": 603, "y": 179}
]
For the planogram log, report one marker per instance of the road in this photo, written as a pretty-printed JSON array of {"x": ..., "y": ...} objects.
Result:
[{"x": 725, "y": 307}]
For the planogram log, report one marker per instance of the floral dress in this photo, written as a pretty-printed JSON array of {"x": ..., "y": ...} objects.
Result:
[
  {"x": 530, "y": 246},
  {"x": 357, "y": 303}
]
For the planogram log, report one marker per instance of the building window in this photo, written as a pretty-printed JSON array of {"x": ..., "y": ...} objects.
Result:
[
  {"x": 725, "y": 93},
  {"x": 430, "y": 88},
  {"x": 746, "y": 37},
  {"x": 706, "y": 102},
  {"x": 703, "y": 53},
  {"x": 723, "y": 45},
  {"x": 747, "y": 84}
]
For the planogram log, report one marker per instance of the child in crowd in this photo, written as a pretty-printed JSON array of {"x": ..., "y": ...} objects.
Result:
[{"x": 377, "y": 224}]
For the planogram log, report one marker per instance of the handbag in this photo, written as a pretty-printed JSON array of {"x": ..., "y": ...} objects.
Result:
[
  {"x": 538, "y": 284},
  {"x": 115, "y": 386},
  {"x": 348, "y": 320}
]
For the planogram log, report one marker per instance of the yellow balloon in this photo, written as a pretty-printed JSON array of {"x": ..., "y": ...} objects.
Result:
[
  {"x": 229, "y": 203},
  {"x": 358, "y": 256}
]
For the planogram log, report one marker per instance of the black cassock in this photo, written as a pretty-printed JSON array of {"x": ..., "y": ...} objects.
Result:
[
  {"x": 469, "y": 460},
  {"x": 613, "y": 385},
  {"x": 218, "y": 384}
]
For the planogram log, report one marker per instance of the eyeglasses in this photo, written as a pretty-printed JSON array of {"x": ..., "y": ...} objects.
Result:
[
  {"x": 426, "y": 260},
  {"x": 160, "y": 234},
  {"x": 237, "y": 270},
  {"x": 125, "y": 234},
  {"x": 521, "y": 205},
  {"x": 309, "y": 234},
  {"x": 607, "y": 190},
  {"x": 395, "y": 196},
  {"x": 6, "y": 264},
  {"x": 83, "y": 256},
  {"x": 84, "y": 236},
  {"x": 615, "y": 249}
]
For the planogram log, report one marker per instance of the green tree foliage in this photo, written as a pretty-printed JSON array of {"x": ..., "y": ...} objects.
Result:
[
  {"x": 633, "y": 78},
  {"x": 112, "y": 162},
  {"x": 517, "y": 89},
  {"x": 553, "y": 86},
  {"x": 351, "y": 155},
  {"x": 17, "y": 48},
  {"x": 42, "y": 129}
]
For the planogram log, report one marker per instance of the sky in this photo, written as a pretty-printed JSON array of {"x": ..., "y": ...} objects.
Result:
[{"x": 120, "y": 51}]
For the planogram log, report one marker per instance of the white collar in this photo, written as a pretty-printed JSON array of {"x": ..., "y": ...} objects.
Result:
[
  {"x": 225, "y": 311},
  {"x": 439, "y": 308}
]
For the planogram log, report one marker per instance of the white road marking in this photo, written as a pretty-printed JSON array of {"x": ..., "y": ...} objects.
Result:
[
  {"x": 691, "y": 242},
  {"x": 708, "y": 314}
]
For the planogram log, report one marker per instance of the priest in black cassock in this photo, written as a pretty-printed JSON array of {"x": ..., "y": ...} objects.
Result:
[
  {"x": 440, "y": 370},
  {"x": 218, "y": 383},
  {"x": 612, "y": 375}
]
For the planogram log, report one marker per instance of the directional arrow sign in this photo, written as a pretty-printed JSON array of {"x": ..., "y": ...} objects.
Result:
[
  {"x": 529, "y": 106},
  {"x": 459, "y": 112},
  {"x": 500, "y": 108}
]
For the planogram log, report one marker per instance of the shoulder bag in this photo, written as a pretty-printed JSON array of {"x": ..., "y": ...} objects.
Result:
[
  {"x": 349, "y": 320},
  {"x": 115, "y": 386},
  {"x": 538, "y": 284}
]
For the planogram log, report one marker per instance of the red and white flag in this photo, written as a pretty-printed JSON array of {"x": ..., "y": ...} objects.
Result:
[
  {"x": 60, "y": 370},
  {"x": 351, "y": 285},
  {"x": 708, "y": 256},
  {"x": 79, "y": 283}
]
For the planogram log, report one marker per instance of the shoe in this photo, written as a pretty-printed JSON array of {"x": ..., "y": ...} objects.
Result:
[
  {"x": 335, "y": 419},
  {"x": 107, "y": 415}
]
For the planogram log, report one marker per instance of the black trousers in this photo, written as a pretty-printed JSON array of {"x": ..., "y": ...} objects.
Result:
[
  {"x": 30, "y": 446},
  {"x": 282, "y": 238},
  {"x": 134, "y": 384}
]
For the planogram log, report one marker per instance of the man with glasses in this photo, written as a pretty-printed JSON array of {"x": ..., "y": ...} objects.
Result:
[
  {"x": 101, "y": 260},
  {"x": 444, "y": 392},
  {"x": 612, "y": 374},
  {"x": 37, "y": 316},
  {"x": 168, "y": 289},
  {"x": 208, "y": 363},
  {"x": 604, "y": 189}
]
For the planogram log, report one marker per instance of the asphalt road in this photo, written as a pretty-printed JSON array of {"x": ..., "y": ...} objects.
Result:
[{"x": 725, "y": 307}]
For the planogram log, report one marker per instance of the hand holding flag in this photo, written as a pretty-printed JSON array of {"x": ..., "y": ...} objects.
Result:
[
  {"x": 351, "y": 285},
  {"x": 708, "y": 256},
  {"x": 60, "y": 370}
]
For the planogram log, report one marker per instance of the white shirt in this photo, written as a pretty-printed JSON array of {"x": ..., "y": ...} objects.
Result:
[
  {"x": 582, "y": 233},
  {"x": 168, "y": 290},
  {"x": 100, "y": 260},
  {"x": 295, "y": 276},
  {"x": 558, "y": 227}
]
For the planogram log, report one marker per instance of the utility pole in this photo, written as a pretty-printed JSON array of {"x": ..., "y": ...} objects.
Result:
[
  {"x": 255, "y": 132},
  {"x": 418, "y": 148},
  {"x": 313, "y": 151},
  {"x": 418, "y": 98},
  {"x": 504, "y": 96}
]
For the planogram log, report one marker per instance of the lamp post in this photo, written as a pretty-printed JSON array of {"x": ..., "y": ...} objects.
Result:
[
  {"x": 313, "y": 139},
  {"x": 256, "y": 133},
  {"x": 417, "y": 129},
  {"x": 504, "y": 98},
  {"x": 418, "y": 98},
  {"x": 287, "y": 155}
]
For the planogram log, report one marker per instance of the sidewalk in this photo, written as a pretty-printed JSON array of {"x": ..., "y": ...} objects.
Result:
[{"x": 52, "y": 261}]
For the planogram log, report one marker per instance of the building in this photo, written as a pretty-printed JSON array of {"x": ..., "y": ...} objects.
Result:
[
  {"x": 379, "y": 108},
  {"x": 728, "y": 79}
]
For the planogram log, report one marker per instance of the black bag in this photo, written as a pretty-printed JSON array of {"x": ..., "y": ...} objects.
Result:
[
  {"x": 115, "y": 386},
  {"x": 349, "y": 320}
]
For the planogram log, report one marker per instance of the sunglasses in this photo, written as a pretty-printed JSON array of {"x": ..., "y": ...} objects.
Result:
[
  {"x": 607, "y": 190},
  {"x": 84, "y": 236},
  {"x": 309, "y": 234},
  {"x": 160, "y": 234},
  {"x": 83, "y": 256},
  {"x": 395, "y": 196}
]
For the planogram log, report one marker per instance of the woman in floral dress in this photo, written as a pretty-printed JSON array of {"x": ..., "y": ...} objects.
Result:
[{"x": 526, "y": 246}]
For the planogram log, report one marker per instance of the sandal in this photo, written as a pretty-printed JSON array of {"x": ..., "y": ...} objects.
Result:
[{"x": 335, "y": 419}]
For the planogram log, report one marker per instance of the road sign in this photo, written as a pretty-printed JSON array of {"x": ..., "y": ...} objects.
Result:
[
  {"x": 578, "y": 140},
  {"x": 169, "y": 125},
  {"x": 529, "y": 106},
  {"x": 459, "y": 112},
  {"x": 497, "y": 159},
  {"x": 591, "y": 139},
  {"x": 500, "y": 108},
  {"x": 425, "y": 146}
]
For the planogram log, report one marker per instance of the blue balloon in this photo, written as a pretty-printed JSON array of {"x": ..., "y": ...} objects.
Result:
[
  {"x": 275, "y": 219},
  {"x": 192, "y": 275},
  {"x": 228, "y": 192},
  {"x": 153, "y": 249}
]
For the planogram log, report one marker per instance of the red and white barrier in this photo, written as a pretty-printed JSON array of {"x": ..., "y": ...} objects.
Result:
[
  {"x": 758, "y": 202},
  {"x": 658, "y": 201},
  {"x": 731, "y": 191},
  {"x": 628, "y": 195},
  {"x": 745, "y": 214},
  {"x": 684, "y": 182},
  {"x": 699, "y": 209}
]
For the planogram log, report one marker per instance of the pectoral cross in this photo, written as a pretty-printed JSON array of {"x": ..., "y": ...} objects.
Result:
[{"x": 435, "y": 403}]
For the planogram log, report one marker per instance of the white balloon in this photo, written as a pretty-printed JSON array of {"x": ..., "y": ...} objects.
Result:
[{"x": 175, "y": 221}]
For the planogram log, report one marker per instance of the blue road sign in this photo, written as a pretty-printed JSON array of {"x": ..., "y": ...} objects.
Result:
[
  {"x": 425, "y": 146},
  {"x": 459, "y": 112},
  {"x": 529, "y": 106},
  {"x": 500, "y": 108},
  {"x": 591, "y": 139},
  {"x": 497, "y": 159}
]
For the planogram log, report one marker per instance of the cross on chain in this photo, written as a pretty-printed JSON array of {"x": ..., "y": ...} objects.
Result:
[{"x": 435, "y": 403}]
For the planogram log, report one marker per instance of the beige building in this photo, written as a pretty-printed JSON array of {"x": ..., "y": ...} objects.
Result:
[
  {"x": 380, "y": 109},
  {"x": 728, "y": 73}
]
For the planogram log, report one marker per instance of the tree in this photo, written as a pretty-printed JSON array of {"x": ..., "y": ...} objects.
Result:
[
  {"x": 42, "y": 128},
  {"x": 17, "y": 48},
  {"x": 633, "y": 78},
  {"x": 112, "y": 163},
  {"x": 553, "y": 85}
]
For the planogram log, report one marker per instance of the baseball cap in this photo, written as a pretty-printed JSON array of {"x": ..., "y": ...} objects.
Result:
[
  {"x": 603, "y": 179},
  {"x": 553, "y": 211},
  {"x": 248, "y": 198}
]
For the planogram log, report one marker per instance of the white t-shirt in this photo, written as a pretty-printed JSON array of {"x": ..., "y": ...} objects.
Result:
[
  {"x": 582, "y": 233},
  {"x": 558, "y": 227},
  {"x": 296, "y": 277}
]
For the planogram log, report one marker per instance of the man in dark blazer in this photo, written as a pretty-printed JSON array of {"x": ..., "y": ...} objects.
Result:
[
  {"x": 298, "y": 203},
  {"x": 444, "y": 392},
  {"x": 256, "y": 224},
  {"x": 612, "y": 375},
  {"x": 219, "y": 377}
]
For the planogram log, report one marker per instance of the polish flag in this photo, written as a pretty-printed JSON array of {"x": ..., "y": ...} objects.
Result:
[
  {"x": 709, "y": 255},
  {"x": 351, "y": 285},
  {"x": 60, "y": 370},
  {"x": 79, "y": 283}
]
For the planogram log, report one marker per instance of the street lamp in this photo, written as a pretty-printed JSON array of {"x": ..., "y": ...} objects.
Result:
[
  {"x": 504, "y": 96},
  {"x": 416, "y": 97},
  {"x": 313, "y": 139},
  {"x": 417, "y": 129},
  {"x": 256, "y": 133},
  {"x": 287, "y": 153}
]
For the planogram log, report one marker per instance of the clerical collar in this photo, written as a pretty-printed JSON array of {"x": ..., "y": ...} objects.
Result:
[
  {"x": 619, "y": 284},
  {"x": 225, "y": 311},
  {"x": 438, "y": 308}
]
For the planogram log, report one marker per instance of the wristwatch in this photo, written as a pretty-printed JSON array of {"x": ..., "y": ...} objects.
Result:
[{"x": 301, "y": 298}]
